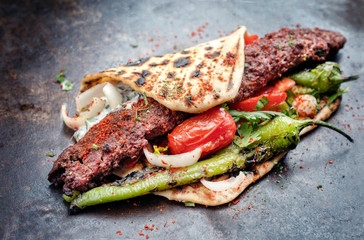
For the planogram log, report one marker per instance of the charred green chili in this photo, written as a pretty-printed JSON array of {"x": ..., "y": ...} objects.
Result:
[
  {"x": 325, "y": 78},
  {"x": 279, "y": 135}
]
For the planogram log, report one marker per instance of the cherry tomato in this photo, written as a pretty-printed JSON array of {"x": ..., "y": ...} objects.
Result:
[
  {"x": 211, "y": 130},
  {"x": 248, "y": 105},
  {"x": 250, "y": 39}
]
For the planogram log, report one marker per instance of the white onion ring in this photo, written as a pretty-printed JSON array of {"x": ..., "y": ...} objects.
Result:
[
  {"x": 113, "y": 95},
  {"x": 178, "y": 160},
  {"x": 232, "y": 182},
  {"x": 97, "y": 105},
  {"x": 86, "y": 97}
]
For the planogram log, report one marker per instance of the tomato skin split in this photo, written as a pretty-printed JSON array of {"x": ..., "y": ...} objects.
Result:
[{"x": 211, "y": 130}]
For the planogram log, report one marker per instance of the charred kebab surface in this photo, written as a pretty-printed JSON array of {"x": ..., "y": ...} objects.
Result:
[
  {"x": 276, "y": 53},
  {"x": 118, "y": 138}
]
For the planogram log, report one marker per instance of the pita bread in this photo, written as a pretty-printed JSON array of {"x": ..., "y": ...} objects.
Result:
[
  {"x": 197, "y": 193},
  {"x": 193, "y": 80}
]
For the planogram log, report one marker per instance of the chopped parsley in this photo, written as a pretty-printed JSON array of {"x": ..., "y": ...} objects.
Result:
[
  {"x": 145, "y": 99},
  {"x": 291, "y": 112},
  {"x": 246, "y": 132},
  {"x": 133, "y": 45},
  {"x": 61, "y": 79},
  {"x": 136, "y": 116},
  {"x": 225, "y": 106},
  {"x": 189, "y": 204},
  {"x": 50, "y": 154},
  {"x": 290, "y": 40},
  {"x": 246, "y": 135},
  {"x": 94, "y": 146},
  {"x": 261, "y": 103},
  {"x": 158, "y": 150}
]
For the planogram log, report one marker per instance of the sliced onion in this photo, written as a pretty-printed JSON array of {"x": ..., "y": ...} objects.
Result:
[
  {"x": 178, "y": 160},
  {"x": 85, "y": 98},
  {"x": 95, "y": 108},
  {"x": 113, "y": 95},
  {"x": 232, "y": 182}
]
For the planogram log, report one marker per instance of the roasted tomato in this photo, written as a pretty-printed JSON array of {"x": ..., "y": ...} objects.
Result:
[
  {"x": 275, "y": 94},
  {"x": 211, "y": 130},
  {"x": 248, "y": 105},
  {"x": 284, "y": 85},
  {"x": 250, "y": 39}
]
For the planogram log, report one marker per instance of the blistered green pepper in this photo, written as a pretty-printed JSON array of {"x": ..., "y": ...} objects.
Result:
[
  {"x": 325, "y": 78},
  {"x": 279, "y": 135}
]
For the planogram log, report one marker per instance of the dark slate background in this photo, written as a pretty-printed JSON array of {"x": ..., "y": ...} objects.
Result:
[{"x": 38, "y": 38}]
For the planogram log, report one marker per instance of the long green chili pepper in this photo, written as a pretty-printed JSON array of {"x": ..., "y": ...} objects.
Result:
[
  {"x": 325, "y": 78},
  {"x": 279, "y": 135}
]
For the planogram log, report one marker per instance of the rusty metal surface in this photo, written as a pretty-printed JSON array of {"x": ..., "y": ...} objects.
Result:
[{"x": 38, "y": 38}]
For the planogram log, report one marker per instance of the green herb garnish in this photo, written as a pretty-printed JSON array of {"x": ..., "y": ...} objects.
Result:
[
  {"x": 225, "y": 106},
  {"x": 133, "y": 45},
  {"x": 61, "y": 79},
  {"x": 189, "y": 204},
  {"x": 246, "y": 132},
  {"x": 158, "y": 150},
  {"x": 136, "y": 116},
  {"x": 261, "y": 103},
  {"x": 145, "y": 99},
  {"x": 50, "y": 154},
  {"x": 94, "y": 146},
  {"x": 290, "y": 40}
]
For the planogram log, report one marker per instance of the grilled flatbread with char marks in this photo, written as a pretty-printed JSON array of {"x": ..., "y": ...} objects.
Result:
[{"x": 193, "y": 80}]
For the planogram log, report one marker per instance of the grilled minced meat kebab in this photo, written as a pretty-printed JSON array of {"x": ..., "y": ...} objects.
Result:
[{"x": 121, "y": 135}]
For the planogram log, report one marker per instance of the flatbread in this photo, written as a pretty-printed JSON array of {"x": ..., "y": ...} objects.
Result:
[
  {"x": 193, "y": 80},
  {"x": 197, "y": 193}
]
